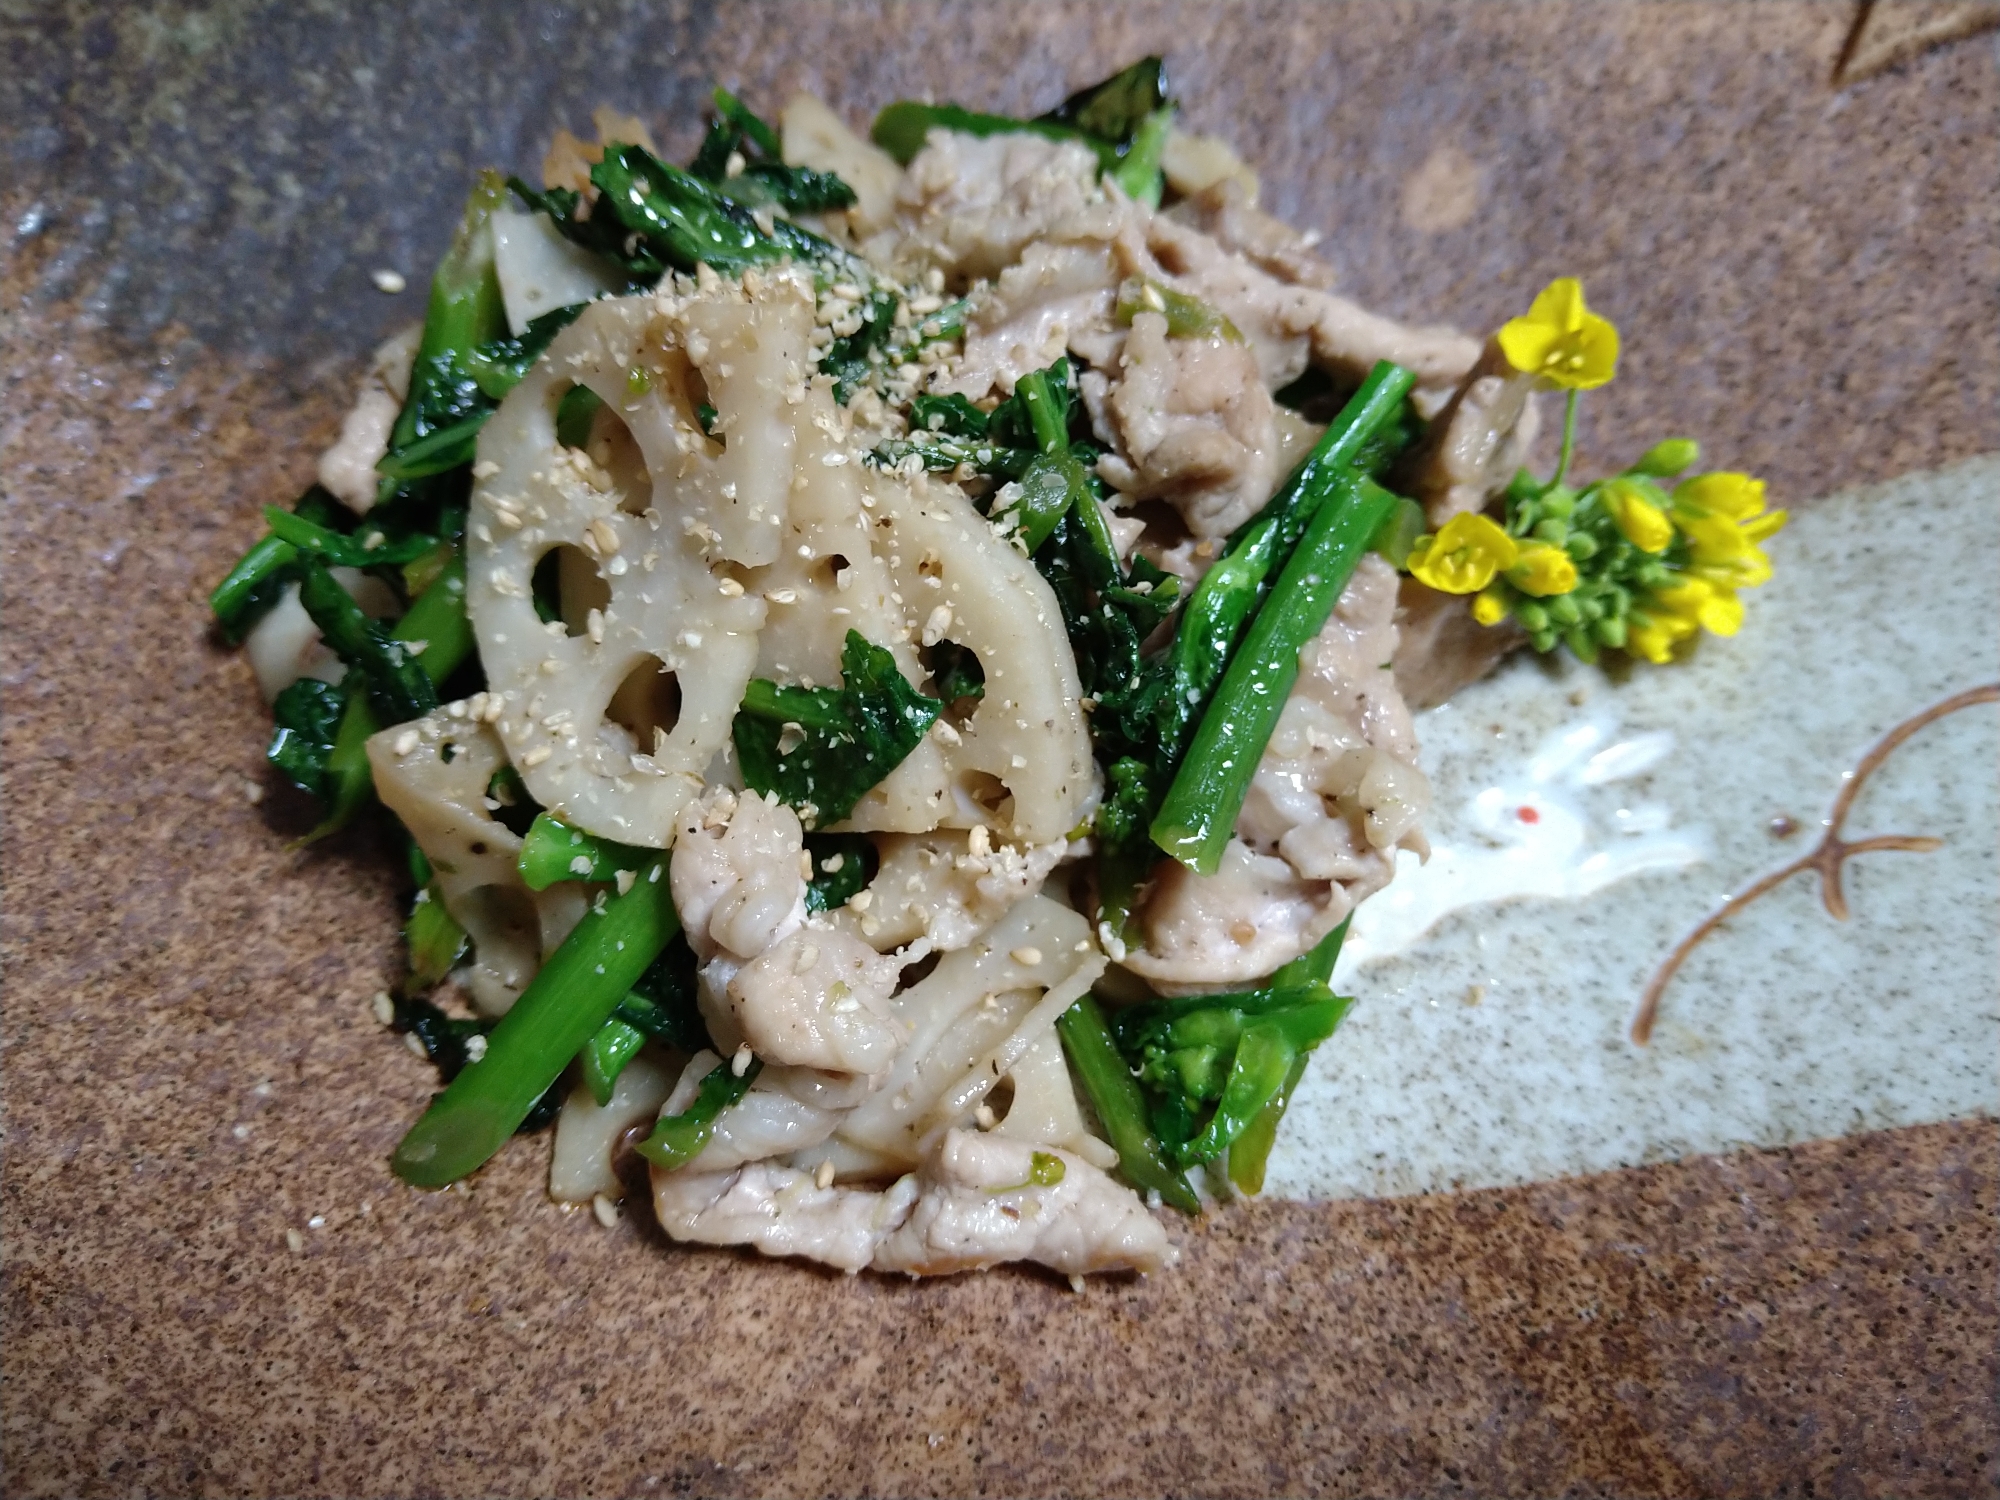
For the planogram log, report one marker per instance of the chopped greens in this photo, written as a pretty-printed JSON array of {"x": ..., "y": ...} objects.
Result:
[
  {"x": 307, "y": 715},
  {"x": 1124, "y": 121},
  {"x": 822, "y": 749},
  {"x": 1217, "y": 1070},
  {"x": 436, "y": 941},
  {"x": 576, "y": 991},
  {"x": 843, "y": 863},
  {"x": 678, "y": 1139},
  {"x": 448, "y": 1041},
  {"x": 760, "y": 174},
  {"x": 552, "y": 851},
  {"x": 399, "y": 687}
]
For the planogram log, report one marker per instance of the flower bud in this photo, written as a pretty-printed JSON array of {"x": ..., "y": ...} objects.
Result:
[{"x": 1663, "y": 460}]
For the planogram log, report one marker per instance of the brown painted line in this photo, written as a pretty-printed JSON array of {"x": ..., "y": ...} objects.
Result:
[{"x": 1827, "y": 859}]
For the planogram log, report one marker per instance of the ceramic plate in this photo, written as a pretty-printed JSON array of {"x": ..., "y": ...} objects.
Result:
[{"x": 1507, "y": 1248}]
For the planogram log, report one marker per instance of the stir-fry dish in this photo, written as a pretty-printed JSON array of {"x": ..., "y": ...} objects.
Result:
[{"x": 894, "y": 657}]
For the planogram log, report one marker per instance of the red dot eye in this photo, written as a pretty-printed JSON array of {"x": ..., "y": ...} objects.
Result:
[{"x": 1527, "y": 814}]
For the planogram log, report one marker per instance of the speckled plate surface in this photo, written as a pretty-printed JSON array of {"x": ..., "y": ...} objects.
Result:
[{"x": 1521, "y": 1255}]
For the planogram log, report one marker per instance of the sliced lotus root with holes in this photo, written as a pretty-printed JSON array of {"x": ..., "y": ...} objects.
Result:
[
  {"x": 1022, "y": 763},
  {"x": 908, "y": 566},
  {"x": 614, "y": 715},
  {"x": 433, "y": 774}
]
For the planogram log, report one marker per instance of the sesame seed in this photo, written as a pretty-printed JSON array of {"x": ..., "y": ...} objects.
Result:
[
  {"x": 1027, "y": 958},
  {"x": 536, "y": 756},
  {"x": 984, "y": 1117},
  {"x": 823, "y": 1176},
  {"x": 295, "y": 1242},
  {"x": 407, "y": 741},
  {"x": 740, "y": 1063},
  {"x": 383, "y": 1008},
  {"x": 388, "y": 281},
  {"x": 626, "y": 880},
  {"x": 604, "y": 1211},
  {"x": 730, "y": 589}
]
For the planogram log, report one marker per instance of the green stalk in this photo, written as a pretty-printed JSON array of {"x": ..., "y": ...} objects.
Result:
[
  {"x": 438, "y": 619},
  {"x": 575, "y": 993},
  {"x": 1230, "y": 592},
  {"x": 610, "y": 1047},
  {"x": 1121, "y": 1108},
  {"x": 677, "y": 1139},
  {"x": 1569, "y": 439},
  {"x": 1199, "y": 814},
  {"x": 552, "y": 850},
  {"x": 252, "y": 585},
  {"x": 1139, "y": 175},
  {"x": 1250, "y": 1152}
]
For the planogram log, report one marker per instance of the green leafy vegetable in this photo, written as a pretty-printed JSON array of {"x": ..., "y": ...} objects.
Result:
[
  {"x": 500, "y": 364},
  {"x": 307, "y": 715},
  {"x": 843, "y": 863},
  {"x": 850, "y": 360},
  {"x": 576, "y": 992},
  {"x": 951, "y": 414},
  {"x": 260, "y": 575},
  {"x": 763, "y": 176},
  {"x": 1119, "y": 1104},
  {"x": 613, "y": 1045},
  {"x": 661, "y": 1002},
  {"x": 366, "y": 547},
  {"x": 448, "y": 1043},
  {"x": 678, "y": 1139},
  {"x": 1199, "y": 813},
  {"x": 1119, "y": 107},
  {"x": 435, "y": 940},
  {"x": 684, "y": 222},
  {"x": 821, "y": 749},
  {"x": 1219, "y": 1069},
  {"x": 399, "y": 687},
  {"x": 439, "y": 621},
  {"x": 445, "y": 405},
  {"x": 553, "y": 851},
  {"x": 1122, "y": 120},
  {"x": 576, "y": 412},
  {"x": 1188, "y": 317},
  {"x": 1140, "y": 174}
]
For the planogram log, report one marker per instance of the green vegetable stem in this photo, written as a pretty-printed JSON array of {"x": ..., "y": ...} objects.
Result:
[
  {"x": 1199, "y": 814},
  {"x": 1120, "y": 1106},
  {"x": 574, "y": 994}
]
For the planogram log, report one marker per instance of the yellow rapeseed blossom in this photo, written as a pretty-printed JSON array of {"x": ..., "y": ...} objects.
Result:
[
  {"x": 1724, "y": 520},
  {"x": 1561, "y": 341},
  {"x": 1642, "y": 523},
  {"x": 1734, "y": 497},
  {"x": 1542, "y": 570},
  {"x": 1464, "y": 556}
]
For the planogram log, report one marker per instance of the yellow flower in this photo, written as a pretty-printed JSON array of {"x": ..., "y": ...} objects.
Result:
[
  {"x": 1562, "y": 341},
  {"x": 1542, "y": 570},
  {"x": 1733, "y": 497},
  {"x": 1490, "y": 608},
  {"x": 1701, "y": 602},
  {"x": 1463, "y": 557},
  {"x": 1644, "y": 524},
  {"x": 1724, "y": 519},
  {"x": 1654, "y": 637}
]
